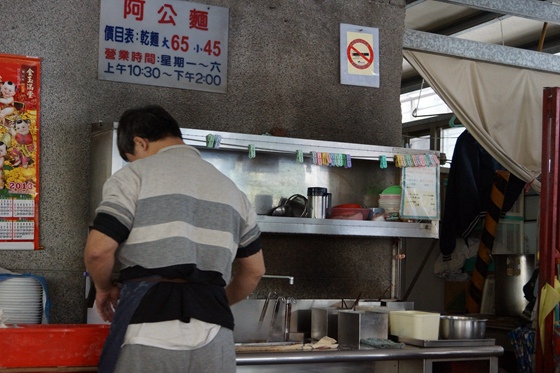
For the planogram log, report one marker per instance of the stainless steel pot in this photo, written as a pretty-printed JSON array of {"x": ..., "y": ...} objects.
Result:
[
  {"x": 461, "y": 327},
  {"x": 512, "y": 273}
]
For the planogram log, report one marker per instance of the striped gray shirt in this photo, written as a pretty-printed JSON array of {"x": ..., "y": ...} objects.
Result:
[{"x": 180, "y": 210}]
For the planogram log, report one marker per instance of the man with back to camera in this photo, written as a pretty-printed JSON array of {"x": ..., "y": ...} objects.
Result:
[{"x": 178, "y": 224}]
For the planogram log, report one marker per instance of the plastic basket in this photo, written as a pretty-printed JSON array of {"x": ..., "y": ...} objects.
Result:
[{"x": 64, "y": 345}]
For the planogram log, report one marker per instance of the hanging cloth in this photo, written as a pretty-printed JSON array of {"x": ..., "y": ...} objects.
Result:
[
  {"x": 467, "y": 195},
  {"x": 500, "y": 105}
]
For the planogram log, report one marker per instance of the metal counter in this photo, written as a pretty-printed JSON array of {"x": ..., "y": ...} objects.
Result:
[{"x": 409, "y": 359}]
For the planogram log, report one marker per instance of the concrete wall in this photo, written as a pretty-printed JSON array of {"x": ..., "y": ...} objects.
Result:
[{"x": 293, "y": 83}]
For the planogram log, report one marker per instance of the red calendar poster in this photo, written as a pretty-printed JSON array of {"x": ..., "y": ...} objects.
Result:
[{"x": 19, "y": 152}]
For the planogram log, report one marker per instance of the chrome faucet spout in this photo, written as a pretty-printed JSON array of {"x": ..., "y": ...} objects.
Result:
[{"x": 289, "y": 278}]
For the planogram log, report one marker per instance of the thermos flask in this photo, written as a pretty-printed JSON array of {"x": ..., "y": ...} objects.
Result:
[{"x": 317, "y": 199}]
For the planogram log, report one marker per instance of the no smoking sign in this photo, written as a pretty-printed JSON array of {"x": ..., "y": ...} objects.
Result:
[{"x": 360, "y": 54}]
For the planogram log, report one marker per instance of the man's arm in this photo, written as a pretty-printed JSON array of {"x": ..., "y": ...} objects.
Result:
[
  {"x": 99, "y": 257},
  {"x": 248, "y": 274}
]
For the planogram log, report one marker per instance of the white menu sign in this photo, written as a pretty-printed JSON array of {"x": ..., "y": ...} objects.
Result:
[
  {"x": 170, "y": 43},
  {"x": 420, "y": 193}
]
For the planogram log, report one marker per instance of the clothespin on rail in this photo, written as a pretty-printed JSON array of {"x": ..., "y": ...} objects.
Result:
[
  {"x": 252, "y": 151},
  {"x": 382, "y": 161}
]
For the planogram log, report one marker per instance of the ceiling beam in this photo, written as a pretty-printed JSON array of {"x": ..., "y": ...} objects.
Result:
[
  {"x": 543, "y": 11},
  {"x": 474, "y": 50},
  {"x": 469, "y": 23},
  {"x": 551, "y": 45},
  {"x": 413, "y": 84}
]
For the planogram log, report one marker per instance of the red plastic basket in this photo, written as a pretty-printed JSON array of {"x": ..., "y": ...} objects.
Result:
[{"x": 62, "y": 345}]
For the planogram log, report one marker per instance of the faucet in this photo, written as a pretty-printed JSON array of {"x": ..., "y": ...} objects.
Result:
[
  {"x": 289, "y": 278},
  {"x": 273, "y": 323},
  {"x": 288, "y": 317},
  {"x": 263, "y": 311}
]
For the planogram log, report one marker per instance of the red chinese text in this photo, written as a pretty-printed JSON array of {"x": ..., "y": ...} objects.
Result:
[
  {"x": 167, "y": 13},
  {"x": 134, "y": 8},
  {"x": 198, "y": 20}
]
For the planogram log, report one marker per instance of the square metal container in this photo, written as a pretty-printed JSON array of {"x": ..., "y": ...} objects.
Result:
[
  {"x": 356, "y": 325},
  {"x": 324, "y": 322}
]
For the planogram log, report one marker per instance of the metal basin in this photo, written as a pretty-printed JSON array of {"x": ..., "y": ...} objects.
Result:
[{"x": 461, "y": 327}]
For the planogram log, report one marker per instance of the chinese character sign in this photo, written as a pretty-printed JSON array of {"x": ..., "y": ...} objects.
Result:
[
  {"x": 173, "y": 43},
  {"x": 19, "y": 152}
]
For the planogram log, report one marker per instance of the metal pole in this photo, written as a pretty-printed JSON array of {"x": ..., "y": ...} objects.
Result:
[{"x": 549, "y": 219}]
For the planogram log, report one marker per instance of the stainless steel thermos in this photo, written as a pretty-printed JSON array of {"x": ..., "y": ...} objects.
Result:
[{"x": 318, "y": 202}]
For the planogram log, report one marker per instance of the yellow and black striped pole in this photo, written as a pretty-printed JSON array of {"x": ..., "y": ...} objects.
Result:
[{"x": 484, "y": 255}]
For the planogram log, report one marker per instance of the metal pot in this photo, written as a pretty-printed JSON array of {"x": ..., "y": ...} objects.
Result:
[
  {"x": 461, "y": 327},
  {"x": 512, "y": 273}
]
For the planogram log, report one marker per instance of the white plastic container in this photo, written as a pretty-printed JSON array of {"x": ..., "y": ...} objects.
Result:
[{"x": 414, "y": 324}]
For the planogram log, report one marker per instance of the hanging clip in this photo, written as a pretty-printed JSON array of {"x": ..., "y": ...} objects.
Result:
[
  {"x": 314, "y": 157},
  {"x": 435, "y": 159},
  {"x": 252, "y": 152},
  {"x": 217, "y": 141},
  {"x": 210, "y": 140},
  {"x": 382, "y": 161},
  {"x": 299, "y": 156},
  {"x": 338, "y": 160},
  {"x": 428, "y": 160},
  {"x": 348, "y": 161},
  {"x": 409, "y": 161}
]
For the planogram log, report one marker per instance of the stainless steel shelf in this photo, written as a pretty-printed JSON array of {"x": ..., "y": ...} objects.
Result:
[
  {"x": 287, "y": 145},
  {"x": 275, "y": 224},
  {"x": 255, "y": 178}
]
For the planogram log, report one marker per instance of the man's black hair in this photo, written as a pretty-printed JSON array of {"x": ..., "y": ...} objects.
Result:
[{"x": 151, "y": 122}]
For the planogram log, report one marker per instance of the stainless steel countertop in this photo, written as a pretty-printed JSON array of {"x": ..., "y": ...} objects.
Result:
[{"x": 407, "y": 353}]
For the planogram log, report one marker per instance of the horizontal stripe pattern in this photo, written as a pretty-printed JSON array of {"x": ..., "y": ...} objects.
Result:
[
  {"x": 149, "y": 234},
  {"x": 177, "y": 250},
  {"x": 180, "y": 209},
  {"x": 200, "y": 213},
  {"x": 484, "y": 254},
  {"x": 123, "y": 215}
]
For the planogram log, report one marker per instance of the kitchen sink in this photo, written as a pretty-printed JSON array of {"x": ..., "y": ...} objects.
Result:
[{"x": 247, "y": 314}]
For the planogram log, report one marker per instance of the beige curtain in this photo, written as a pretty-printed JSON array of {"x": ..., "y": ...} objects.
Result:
[{"x": 501, "y": 106}]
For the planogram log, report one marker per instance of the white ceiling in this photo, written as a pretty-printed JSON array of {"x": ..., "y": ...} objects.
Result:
[{"x": 478, "y": 25}]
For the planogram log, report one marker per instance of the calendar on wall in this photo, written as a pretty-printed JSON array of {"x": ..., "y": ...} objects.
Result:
[{"x": 19, "y": 152}]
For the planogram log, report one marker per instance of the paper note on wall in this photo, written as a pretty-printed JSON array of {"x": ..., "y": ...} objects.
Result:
[{"x": 420, "y": 193}]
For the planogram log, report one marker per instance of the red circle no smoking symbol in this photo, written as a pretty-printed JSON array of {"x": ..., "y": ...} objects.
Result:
[{"x": 360, "y": 54}]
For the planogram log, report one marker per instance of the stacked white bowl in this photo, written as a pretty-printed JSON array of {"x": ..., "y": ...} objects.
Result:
[
  {"x": 390, "y": 202},
  {"x": 21, "y": 300},
  {"x": 390, "y": 199}
]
